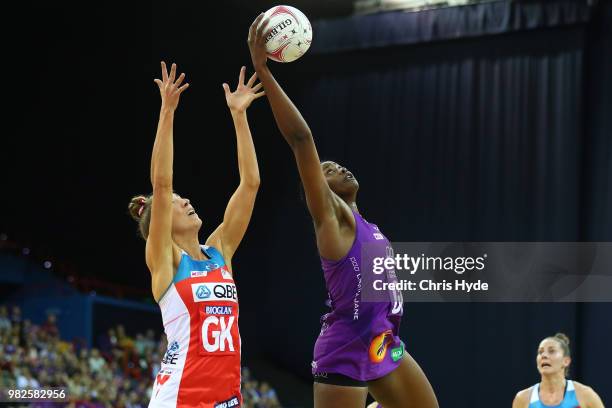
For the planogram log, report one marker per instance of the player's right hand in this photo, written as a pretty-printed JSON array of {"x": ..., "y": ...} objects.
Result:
[
  {"x": 169, "y": 88},
  {"x": 256, "y": 41}
]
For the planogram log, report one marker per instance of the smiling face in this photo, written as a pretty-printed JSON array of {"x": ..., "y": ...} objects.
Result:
[
  {"x": 551, "y": 359},
  {"x": 184, "y": 217},
  {"x": 340, "y": 180}
]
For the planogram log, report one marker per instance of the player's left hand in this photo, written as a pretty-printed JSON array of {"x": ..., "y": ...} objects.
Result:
[{"x": 241, "y": 98}]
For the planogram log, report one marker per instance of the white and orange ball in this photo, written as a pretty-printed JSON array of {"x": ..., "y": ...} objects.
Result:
[{"x": 288, "y": 33}]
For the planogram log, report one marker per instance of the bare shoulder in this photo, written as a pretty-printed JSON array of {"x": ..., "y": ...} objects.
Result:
[
  {"x": 215, "y": 239},
  {"x": 153, "y": 269},
  {"x": 587, "y": 396},
  {"x": 162, "y": 274},
  {"x": 581, "y": 388},
  {"x": 521, "y": 400}
]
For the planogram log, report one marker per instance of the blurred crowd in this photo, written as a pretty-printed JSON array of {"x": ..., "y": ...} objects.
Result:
[{"x": 119, "y": 373}]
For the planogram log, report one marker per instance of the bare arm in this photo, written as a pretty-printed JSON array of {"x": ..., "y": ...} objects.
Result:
[
  {"x": 522, "y": 399},
  {"x": 240, "y": 206},
  {"x": 164, "y": 135},
  {"x": 159, "y": 243},
  {"x": 595, "y": 401},
  {"x": 588, "y": 396},
  {"x": 319, "y": 198}
]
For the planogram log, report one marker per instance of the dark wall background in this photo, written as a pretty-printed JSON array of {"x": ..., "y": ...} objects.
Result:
[{"x": 484, "y": 137}]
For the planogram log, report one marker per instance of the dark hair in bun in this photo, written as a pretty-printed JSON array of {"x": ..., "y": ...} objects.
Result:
[
  {"x": 140, "y": 210},
  {"x": 564, "y": 342}
]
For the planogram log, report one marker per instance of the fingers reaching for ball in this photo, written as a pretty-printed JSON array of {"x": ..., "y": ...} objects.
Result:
[
  {"x": 252, "y": 80},
  {"x": 256, "y": 41},
  {"x": 241, "y": 98},
  {"x": 241, "y": 76},
  {"x": 261, "y": 29},
  {"x": 170, "y": 87},
  {"x": 253, "y": 28},
  {"x": 257, "y": 88},
  {"x": 180, "y": 80},
  {"x": 172, "y": 72}
]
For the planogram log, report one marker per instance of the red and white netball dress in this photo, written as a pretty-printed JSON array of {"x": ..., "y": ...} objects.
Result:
[{"x": 201, "y": 367}]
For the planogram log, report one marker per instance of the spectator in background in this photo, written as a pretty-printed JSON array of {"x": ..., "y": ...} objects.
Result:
[
  {"x": 140, "y": 344},
  {"x": 25, "y": 379},
  {"x": 268, "y": 396},
  {"x": 150, "y": 340},
  {"x": 251, "y": 391},
  {"x": 50, "y": 326},
  {"x": 44, "y": 360},
  {"x": 123, "y": 340},
  {"x": 246, "y": 374},
  {"x": 84, "y": 355},
  {"x": 78, "y": 344},
  {"x": 6, "y": 367},
  {"x": 107, "y": 342},
  {"x": 133, "y": 401},
  {"x": 131, "y": 362},
  {"x": 26, "y": 330},
  {"x": 6, "y": 380},
  {"x": 16, "y": 316},
  {"x": 44, "y": 378},
  {"x": 5, "y": 322},
  {"x": 96, "y": 362},
  {"x": 11, "y": 345},
  {"x": 16, "y": 333}
]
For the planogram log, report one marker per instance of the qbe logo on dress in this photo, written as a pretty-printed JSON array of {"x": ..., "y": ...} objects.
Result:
[{"x": 214, "y": 292}]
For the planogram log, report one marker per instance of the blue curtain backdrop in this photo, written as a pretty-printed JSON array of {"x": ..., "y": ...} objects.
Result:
[
  {"x": 402, "y": 28},
  {"x": 477, "y": 140}
]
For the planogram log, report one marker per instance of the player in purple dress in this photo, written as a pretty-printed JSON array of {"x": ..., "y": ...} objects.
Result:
[{"x": 358, "y": 349}]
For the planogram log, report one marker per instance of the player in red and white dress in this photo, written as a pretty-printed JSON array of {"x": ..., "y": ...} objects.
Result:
[{"x": 193, "y": 283}]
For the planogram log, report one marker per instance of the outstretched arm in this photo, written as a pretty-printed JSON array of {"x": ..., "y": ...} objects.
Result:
[
  {"x": 240, "y": 206},
  {"x": 159, "y": 242},
  {"x": 319, "y": 198}
]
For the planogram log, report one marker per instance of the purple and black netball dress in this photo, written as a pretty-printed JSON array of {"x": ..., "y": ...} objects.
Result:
[{"x": 358, "y": 339}]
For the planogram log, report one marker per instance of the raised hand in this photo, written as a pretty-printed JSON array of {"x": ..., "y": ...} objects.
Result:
[
  {"x": 170, "y": 87},
  {"x": 256, "y": 41},
  {"x": 241, "y": 98}
]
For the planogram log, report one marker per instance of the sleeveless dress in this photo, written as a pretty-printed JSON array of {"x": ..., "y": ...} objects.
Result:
[
  {"x": 201, "y": 367},
  {"x": 569, "y": 399},
  {"x": 358, "y": 339}
]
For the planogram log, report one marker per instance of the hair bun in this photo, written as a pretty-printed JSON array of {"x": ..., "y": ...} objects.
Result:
[
  {"x": 563, "y": 338},
  {"x": 136, "y": 205}
]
